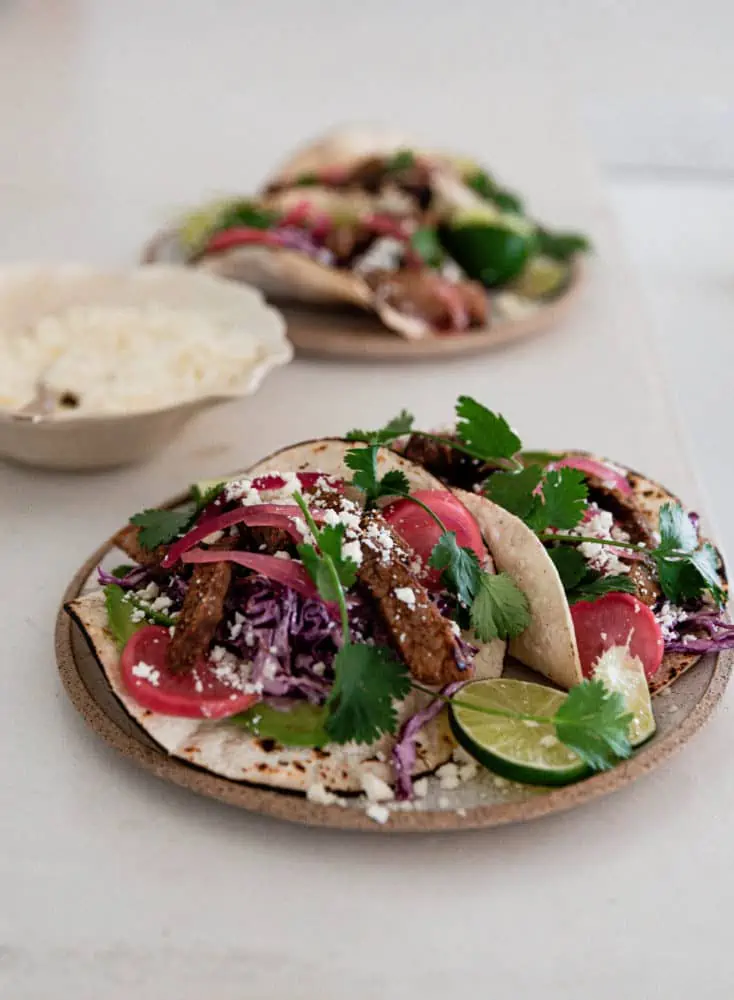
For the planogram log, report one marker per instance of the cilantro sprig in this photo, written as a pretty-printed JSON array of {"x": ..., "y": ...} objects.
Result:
[
  {"x": 559, "y": 502},
  {"x": 159, "y": 527},
  {"x": 493, "y": 606},
  {"x": 592, "y": 720},
  {"x": 367, "y": 679}
]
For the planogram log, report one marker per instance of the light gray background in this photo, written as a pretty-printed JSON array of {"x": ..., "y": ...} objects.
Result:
[{"x": 114, "y": 114}]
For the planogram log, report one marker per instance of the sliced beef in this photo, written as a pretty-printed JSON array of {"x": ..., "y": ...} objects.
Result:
[
  {"x": 420, "y": 633},
  {"x": 127, "y": 539},
  {"x": 420, "y": 293},
  {"x": 348, "y": 240},
  {"x": 201, "y": 613},
  {"x": 453, "y": 467}
]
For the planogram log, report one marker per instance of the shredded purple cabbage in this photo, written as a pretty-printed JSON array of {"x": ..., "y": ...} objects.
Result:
[
  {"x": 720, "y": 634},
  {"x": 287, "y": 637},
  {"x": 404, "y": 751},
  {"x": 133, "y": 578},
  {"x": 293, "y": 238}
]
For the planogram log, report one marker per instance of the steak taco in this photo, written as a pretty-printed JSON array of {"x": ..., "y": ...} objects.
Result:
[
  {"x": 344, "y": 614},
  {"x": 362, "y": 219}
]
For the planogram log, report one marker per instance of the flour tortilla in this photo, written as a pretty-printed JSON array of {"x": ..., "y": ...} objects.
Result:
[
  {"x": 290, "y": 276},
  {"x": 228, "y": 750},
  {"x": 548, "y": 644}
]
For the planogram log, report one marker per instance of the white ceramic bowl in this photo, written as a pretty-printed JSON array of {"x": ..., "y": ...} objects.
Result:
[{"x": 91, "y": 441}]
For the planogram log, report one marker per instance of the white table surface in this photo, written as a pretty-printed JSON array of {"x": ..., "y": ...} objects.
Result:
[{"x": 115, "y": 885}]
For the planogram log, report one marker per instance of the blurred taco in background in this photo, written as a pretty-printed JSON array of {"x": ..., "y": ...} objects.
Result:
[{"x": 363, "y": 219}]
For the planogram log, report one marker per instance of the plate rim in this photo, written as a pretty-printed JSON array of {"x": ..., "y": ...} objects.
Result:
[
  {"x": 295, "y": 808},
  {"x": 328, "y": 340}
]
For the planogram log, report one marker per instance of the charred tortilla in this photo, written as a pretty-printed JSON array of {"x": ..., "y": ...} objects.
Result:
[{"x": 227, "y": 749}]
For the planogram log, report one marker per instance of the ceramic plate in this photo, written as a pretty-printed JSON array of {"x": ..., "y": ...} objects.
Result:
[{"x": 483, "y": 802}]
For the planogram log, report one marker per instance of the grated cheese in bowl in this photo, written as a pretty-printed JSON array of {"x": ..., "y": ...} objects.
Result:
[{"x": 108, "y": 359}]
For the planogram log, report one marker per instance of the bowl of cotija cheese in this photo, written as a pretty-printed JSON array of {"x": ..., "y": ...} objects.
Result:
[{"x": 103, "y": 368}]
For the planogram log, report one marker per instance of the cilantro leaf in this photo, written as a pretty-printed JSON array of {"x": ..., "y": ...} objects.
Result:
[
  {"x": 593, "y": 586},
  {"x": 500, "y": 609},
  {"x": 686, "y": 571},
  {"x": 677, "y": 532},
  {"x": 571, "y": 565},
  {"x": 561, "y": 246},
  {"x": 120, "y": 615},
  {"x": 582, "y": 583},
  {"x": 202, "y": 497},
  {"x": 564, "y": 500},
  {"x": 487, "y": 434},
  {"x": 480, "y": 181},
  {"x": 363, "y": 462},
  {"x": 367, "y": 681},
  {"x": 245, "y": 213},
  {"x": 427, "y": 246},
  {"x": 302, "y": 725},
  {"x": 560, "y": 503},
  {"x": 507, "y": 201},
  {"x": 594, "y": 722},
  {"x": 515, "y": 491},
  {"x": 459, "y": 566},
  {"x": 329, "y": 540},
  {"x": 706, "y": 563},
  {"x": 403, "y": 159},
  {"x": 158, "y": 527},
  {"x": 395, "y": 428}
]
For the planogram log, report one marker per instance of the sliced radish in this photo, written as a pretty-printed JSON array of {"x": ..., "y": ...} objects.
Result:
[
  {"x": 195, "y": 694},
  {"x": 614, "y": 620},
  {"x": 599, "y": 470},
  {"x": 418, "y": 529}
]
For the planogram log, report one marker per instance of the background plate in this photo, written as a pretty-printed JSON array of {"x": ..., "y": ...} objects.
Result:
[{"x": 483, "y": 802}]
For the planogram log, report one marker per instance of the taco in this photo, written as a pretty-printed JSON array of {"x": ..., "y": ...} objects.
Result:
[
  {"x": 676, "y": 580},
  {"x": 222, "y": 638},
  {"x": 361, "y": 219}
]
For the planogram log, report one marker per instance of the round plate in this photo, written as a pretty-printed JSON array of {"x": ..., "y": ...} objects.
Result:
[
  {"x": 483, "y": 802},
  {"x": 355, "y": 335}
]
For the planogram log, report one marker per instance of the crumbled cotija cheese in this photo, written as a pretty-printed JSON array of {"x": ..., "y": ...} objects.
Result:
[
  {"x": 146, "y": 672},
  {"x": 117, "y": 359},
  {"x": 375, "y": 788}
]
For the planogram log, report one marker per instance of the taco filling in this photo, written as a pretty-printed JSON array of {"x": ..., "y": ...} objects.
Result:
[
  {"x": 424, "y": 240},
  {"x": 337, "y": 619}
]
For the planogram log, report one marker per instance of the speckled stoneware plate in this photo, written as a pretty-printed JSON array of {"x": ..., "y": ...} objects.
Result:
[
  {"x": 483, "y": 802},
  {"x": 350, "y": 334}
]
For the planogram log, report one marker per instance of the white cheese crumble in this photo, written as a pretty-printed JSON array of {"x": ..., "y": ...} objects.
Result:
[
  {"x": 161, "y": 603},
  {"x": 283, "y": 555},
  {"x": 318, "y": 669},
  {"x": 420, "y": 788},
  {"x": 120, "y": 359},
  {"x": 375, "y": 788},
  {"x": 377, "y": 813},
  {"x": 448, "y": 776},
  {"x": 148, "y": 673},
  {"x": 235, "y": 627},
  {"x": 353, "y": 551},
  {"x": 406, "y": 595},
  {"x": 669, "y": 617},
  {"x": 602, "y": 558},
  {"x": 320, "y": 794}
]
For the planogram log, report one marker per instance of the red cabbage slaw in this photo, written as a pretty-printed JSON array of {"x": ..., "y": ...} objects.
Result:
[
  {"x": 719, "y": 634},
  {"x": 404, "y": 751}
]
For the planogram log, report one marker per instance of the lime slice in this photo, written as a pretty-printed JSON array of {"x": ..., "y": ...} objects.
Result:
[
  {"x": 541, "y": 278},
  {"x": 518, "y": 749},
  {"x": 619, "y": 671}
]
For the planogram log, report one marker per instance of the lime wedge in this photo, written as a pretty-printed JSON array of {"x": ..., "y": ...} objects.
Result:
[
  {"x": 619, "y": 671},
  {"x": 518, "y": 749},
  {"x": 195, "y": 226},
  {"x": 541, "y": 278}
]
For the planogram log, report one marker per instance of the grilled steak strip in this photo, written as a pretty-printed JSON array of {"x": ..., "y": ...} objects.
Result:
[
  {"x": 420, "y": 633},
  {"x": 127, "y": 540},
  {"x": 201, "y": 613}
]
